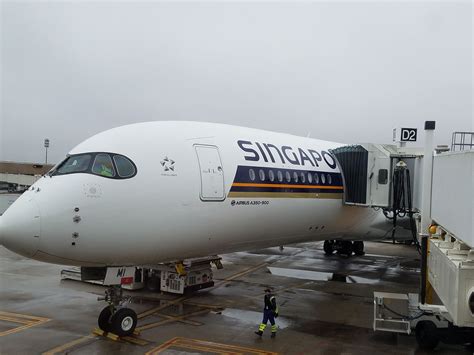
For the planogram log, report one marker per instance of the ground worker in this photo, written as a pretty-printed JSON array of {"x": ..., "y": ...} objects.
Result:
[{"x": 270, "y": 312}]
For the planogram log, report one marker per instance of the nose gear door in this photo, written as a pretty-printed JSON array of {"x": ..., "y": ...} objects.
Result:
[{"x": 211, "y": 171}]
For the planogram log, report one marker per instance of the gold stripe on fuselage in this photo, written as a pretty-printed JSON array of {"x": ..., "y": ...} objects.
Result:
[
  {"x": 246, "y": 184},
  {"x": 252, "y": 194}
]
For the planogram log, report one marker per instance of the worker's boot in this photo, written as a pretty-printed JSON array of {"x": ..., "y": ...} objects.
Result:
[{"x": 259, "y": 333}]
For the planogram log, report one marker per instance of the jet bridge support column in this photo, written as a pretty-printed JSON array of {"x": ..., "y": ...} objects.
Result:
[
  {"x": 426, "y": 204},
  {"x": 427, "y": 177}
]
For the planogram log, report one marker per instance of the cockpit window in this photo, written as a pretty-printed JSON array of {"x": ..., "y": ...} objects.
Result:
[
  {"x": 109, "y": 165},
  {"x": 74, "y": 164},
  {"x": 103, "y": 165},
  {"x": 124, "y": 166}
]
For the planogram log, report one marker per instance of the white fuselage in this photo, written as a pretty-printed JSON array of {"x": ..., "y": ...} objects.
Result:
[{"x": 192, "y": 195}]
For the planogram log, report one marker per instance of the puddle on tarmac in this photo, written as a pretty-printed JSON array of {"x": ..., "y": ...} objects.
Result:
[
  {"x": 252, "y": 317},
  {"x": 320, "y": 276}
]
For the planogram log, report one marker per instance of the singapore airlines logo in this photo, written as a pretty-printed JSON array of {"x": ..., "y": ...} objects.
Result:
[{"x": 168, "y": 164}]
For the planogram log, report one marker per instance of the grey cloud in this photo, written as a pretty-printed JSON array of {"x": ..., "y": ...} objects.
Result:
[{"x": 344, "y": 71}]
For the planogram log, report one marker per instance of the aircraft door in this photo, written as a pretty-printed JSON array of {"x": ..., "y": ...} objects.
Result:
[{"x": 212, "y": 174}]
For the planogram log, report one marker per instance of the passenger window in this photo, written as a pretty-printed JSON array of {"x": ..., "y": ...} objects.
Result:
[
  {"x": 74, "y": 164},
  {"x": 261, "y": 174},
  {"x": 329, "y": 179},
  {"x": 280, "y": 176},
  {"x": 310, "y": 178},
  {"x": 103, "y": 165},
  {"x": 303, "y": 177},
  {"x": 288, "y": 176},
  {"x": 252, "y": 175},
  {"x": 124, "y": 166},
  {"x": 316, "y": 178},
  {"x": 271, "y": 175},
  {"x": 295, "y": 176},
  {"x": 323, "y": 179}
]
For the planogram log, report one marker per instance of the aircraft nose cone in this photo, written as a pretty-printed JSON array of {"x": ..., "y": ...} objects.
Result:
[{"x": 20, "y": 227}]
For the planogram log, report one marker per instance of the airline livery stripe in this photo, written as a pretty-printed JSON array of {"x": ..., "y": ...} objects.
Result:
[
  {"x": 244, "y": 184},
  {"x": 250, "y": 194}
]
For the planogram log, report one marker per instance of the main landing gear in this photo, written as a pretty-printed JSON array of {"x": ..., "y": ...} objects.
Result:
[
  {"x": 344, "y": 247},
  {"x": 115, "y": 318}
]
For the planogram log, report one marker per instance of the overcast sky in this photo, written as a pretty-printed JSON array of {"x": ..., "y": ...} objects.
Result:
[{"x": 342, "y": 71}]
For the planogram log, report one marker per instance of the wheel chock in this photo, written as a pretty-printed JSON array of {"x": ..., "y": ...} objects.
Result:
[
  {"x": 115, "y": 337},
  {"x": 98, "y": 332}
]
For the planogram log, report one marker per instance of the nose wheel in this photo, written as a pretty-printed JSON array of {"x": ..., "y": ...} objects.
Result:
[{"x": 115, "y": 318}]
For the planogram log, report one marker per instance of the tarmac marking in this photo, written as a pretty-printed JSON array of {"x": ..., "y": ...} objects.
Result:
[
  {"x": 182, "y": 299},
  {"x": 161, "y": 307},
  {"x": 26, "y": 320},
  {"x": 69, "y": 345},
  {"x": 174, "y": 319},
  {"x": 207, "y": 347},
  {"x": 163, "y": 346},
  {"x": 210, "y": 306},
  {"x": 240, "y": 274},
  {"x": 186, "y": 321}
]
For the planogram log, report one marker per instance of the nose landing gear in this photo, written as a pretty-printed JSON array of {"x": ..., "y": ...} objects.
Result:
[{"x": 115, "y": 318}]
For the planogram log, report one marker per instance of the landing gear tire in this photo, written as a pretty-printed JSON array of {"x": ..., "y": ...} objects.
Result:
[
  {"x": 426, "y": 335},
  {"x": 123, "y": 322},
  {"x": 358, "y": 248},
  {"x": 328, "y": 247},
  {"x": 104, "y": 319},
  {"x": 346, "y": 248}
]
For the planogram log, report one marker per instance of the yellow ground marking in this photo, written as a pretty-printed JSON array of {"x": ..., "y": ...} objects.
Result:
[
  {"x": 240, "y": 274},
  {"x": 211, "y": 306},
  {"x": 26, "y": 320},
  {"x": 205, "y": 349},
  {"x": 185, "y": 298},
  {"x": 162, "y": 346},
  {"x": 207, "y": 346},
  {"x": 26, "y": 316},
  {"x": 136, "y": 341},
  {"x": 69, "y": 345},
  {"x": 281, "y": 290},
  {"x": 16, "y": 320},
  {"x": 159, "y": 308},
  {"x": 186, "y": 321},
  {"x": 174, "y": 319}
]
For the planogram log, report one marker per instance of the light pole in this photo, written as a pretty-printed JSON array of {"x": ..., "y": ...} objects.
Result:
[{"x": 46, "y": 145}]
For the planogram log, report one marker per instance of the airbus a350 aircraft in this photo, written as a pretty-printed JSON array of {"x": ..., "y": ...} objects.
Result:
[{"x": 156, "y": 192}]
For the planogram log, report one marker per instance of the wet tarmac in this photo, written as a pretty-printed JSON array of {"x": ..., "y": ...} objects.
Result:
[{"x": 326, "y": 307}]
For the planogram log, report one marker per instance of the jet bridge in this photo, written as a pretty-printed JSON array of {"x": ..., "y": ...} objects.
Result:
[
  {"x": 381, "y": 176},
  {"x": 368, "y": 172},
  {"x": 444, "y": 309}
]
